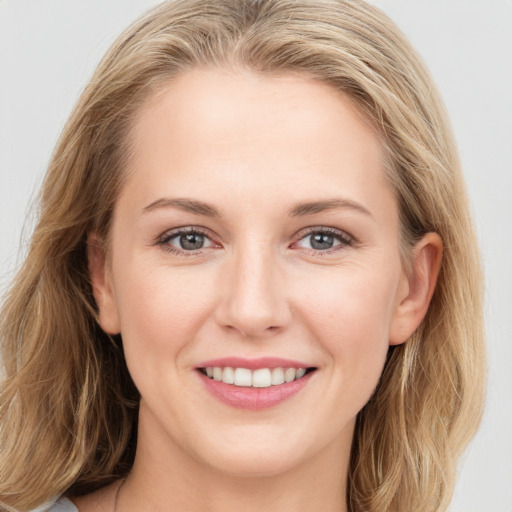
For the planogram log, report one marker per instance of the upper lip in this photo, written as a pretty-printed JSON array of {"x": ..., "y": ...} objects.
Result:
[{"x": 254, "y": 364}]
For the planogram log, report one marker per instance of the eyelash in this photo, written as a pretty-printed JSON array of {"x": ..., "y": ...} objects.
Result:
[
  {"x": 344, "y": 238},
  {"x": 164, "y": 240}
]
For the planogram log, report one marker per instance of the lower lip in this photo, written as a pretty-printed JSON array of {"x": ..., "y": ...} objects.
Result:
[{"x": 250, "y": 398}]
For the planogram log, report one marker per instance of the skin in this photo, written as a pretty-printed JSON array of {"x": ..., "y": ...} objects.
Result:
[{"x": 253, "y": 147}]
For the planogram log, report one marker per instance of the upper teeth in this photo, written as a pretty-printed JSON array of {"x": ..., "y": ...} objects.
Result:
[{"x": 261, "y": 378}]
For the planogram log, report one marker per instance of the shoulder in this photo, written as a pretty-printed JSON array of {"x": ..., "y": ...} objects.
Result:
[
  {"x": 61, "y": 505},
  {"x": 102, "y": 500}
]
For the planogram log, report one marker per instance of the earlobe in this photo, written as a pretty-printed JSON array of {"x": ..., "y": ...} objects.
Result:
[
  {"x": 419, "y": 287},
  {"x": 102, "y": 285}
]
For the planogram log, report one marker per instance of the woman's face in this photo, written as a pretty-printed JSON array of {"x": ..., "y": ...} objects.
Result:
[{"x": 255, "y": 222}]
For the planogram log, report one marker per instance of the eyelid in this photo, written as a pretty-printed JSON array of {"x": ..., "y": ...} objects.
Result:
[
  {"x": 345, "y": 238},
  {"x": 324, "y": 229},
  {"x": 166, "y": 235},
  {"x": 164, "y": 238}
]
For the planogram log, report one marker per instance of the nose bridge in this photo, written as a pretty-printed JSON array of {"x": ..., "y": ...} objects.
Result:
[{"x": 253, "y": 301}]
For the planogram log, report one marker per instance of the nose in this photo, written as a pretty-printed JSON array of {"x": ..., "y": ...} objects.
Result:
[{"x": 253, "y": 300}]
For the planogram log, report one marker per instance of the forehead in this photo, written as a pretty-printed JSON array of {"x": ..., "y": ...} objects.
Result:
[{"x": 258, "y": 135}]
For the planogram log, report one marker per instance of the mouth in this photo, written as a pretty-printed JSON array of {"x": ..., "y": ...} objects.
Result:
[
  {"x": 255, "y": 383},
  {"x": 255, "y": 389},
  {"x": 257, "y": 378}
]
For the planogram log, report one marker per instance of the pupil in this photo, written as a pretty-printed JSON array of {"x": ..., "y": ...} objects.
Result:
[
  {"x": 322, "y": 241},
  {"x": 191, "y": 241}
]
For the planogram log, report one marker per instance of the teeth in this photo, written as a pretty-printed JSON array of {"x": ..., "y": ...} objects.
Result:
[
  {"x": 277, "y": 376},
  {"x": 261, "y": 378},
  {"x": 289, "y": 374},
  {"x": 243, "y": 377},
  {"x": 300, "y": 373},
  {"x": 228, "y": 375}
]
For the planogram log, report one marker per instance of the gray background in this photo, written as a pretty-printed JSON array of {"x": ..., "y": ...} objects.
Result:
[{"x": 49, "y": 48}]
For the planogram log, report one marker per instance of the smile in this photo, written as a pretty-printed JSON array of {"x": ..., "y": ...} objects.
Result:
[
  {"x": 259, "y": 378},
  {"x": 254, "y": 383}
]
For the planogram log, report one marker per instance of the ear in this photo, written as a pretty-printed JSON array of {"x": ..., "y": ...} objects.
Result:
[
  {"x": 417, "y": 288},
  {"x": 102, "y": 288}
]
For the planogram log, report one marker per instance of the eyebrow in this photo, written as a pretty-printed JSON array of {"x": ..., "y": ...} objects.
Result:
[
  {"x": 187, "y": 205},
  {"x": 298, "y": 210},
  {"x": 312, "y": 207}
]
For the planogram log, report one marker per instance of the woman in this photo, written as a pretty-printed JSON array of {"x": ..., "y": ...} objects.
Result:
[{"x": 256, "y": 274}]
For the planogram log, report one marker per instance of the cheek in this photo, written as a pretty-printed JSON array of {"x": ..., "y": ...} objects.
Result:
[
  {"x": 350, "y": 313},
  {"x": 160, "y": 310}
]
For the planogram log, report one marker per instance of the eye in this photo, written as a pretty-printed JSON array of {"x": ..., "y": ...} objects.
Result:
[
  {"x": 324, "y": 240},
  {"x": 186, "y": 240}
]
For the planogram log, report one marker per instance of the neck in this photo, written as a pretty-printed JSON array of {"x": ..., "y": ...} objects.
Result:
[{"x": 167, "y": 477}]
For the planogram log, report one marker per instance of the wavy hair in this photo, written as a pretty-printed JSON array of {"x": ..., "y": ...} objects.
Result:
[{"x": 68, "y": 407}]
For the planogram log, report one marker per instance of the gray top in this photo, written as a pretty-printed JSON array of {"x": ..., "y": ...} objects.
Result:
[{"x": 61, "y": 505}]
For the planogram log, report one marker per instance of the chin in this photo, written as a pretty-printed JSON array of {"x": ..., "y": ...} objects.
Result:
[
  {"x": 262, "y": 467},
  {"x": 254, "y": 460}
]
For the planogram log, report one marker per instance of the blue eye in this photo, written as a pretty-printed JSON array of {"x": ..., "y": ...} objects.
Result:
[
  {"x": 324, "y": 240},
  {"x": 185, "y": 240},
  {"x": 189, "y": 241}
]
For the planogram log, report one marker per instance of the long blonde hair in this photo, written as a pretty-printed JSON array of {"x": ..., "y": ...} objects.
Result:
[{"x": 68, "y": 407}]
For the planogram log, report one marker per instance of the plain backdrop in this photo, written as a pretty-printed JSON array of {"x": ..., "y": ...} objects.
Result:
[{"x": 49, "y": 48}]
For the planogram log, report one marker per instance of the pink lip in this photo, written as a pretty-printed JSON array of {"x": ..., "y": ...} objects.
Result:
[
  {"x": 250, "y": 398},
  {"x": 253, "y": 364}
]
